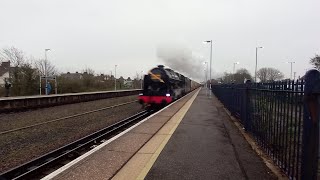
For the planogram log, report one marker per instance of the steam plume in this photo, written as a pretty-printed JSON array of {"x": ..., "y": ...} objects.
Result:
[{"x": 181, "y": 59}]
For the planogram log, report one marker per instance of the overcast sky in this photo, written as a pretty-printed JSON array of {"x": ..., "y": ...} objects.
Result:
[{"x": 101, "y": 33}]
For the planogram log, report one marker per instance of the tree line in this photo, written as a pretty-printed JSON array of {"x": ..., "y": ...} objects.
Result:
[
  {"x": 266, "y": 74},
  {"x": 25, "y": 72}
]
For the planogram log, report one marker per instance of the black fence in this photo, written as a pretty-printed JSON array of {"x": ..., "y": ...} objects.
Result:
[{"x": 275, "y": 114}]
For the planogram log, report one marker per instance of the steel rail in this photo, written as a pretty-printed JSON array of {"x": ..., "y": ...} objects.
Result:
[
  {"x": 51, "y": 159},
  {"x": 64, "y": 118}
]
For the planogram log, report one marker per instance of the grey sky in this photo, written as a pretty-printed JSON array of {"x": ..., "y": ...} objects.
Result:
[{"x": 100, "y": 34}]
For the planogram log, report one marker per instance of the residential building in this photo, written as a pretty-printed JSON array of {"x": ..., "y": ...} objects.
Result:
[{"x": 73, "y": 76}]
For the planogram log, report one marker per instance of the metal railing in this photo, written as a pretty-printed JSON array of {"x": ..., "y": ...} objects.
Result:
[{"x": 276, "y": 114}]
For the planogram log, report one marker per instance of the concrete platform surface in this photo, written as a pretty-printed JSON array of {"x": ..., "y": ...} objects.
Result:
[{"x": 207, "y": 145}]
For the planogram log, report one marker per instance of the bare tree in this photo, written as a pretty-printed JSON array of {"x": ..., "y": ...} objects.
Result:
[
  {"x": 262, "y": 74},
  {"x": 137, "y": 76},
  {"x": 227, "y": 78},
  {"x": 275, "y": 74},
  {"x": 88, "y": 78},
  {"x": 315, "y": 61},
  {"x": 14, "y": 55},
  {"x": 238, "y": 78},
  {"x": 88, "y": 71},
  {"x": 241, "y": 75},
  {"x": 22, "y": 75},
  {"x": 269, "y": 74},
  {"x": 44, "y": 66}
]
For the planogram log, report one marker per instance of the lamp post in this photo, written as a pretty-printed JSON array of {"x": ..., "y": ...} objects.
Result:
[
  {"x": 206, "y": 73},
  {"x": 45, "y": 70},
  {"x": 115, "y": 77},
  {"x": 291, "y": 62},
  {"x": 210, "y": 41},
  {"x": 234, "y": 68},
  {"x": 255, "y": 71}
]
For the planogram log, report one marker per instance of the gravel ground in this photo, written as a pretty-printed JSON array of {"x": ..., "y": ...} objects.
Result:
[
  {"x": 21, "y": 146},
  {"x": 21, "y": 119}
]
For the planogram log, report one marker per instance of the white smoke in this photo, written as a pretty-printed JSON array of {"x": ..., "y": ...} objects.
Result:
[{"x": 182, "y": 60}]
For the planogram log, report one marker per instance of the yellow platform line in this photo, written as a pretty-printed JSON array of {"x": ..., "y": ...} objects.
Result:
[{"x": 146, "y": 156}]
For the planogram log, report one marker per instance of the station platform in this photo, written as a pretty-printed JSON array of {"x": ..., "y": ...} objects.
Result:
[{"x": 192, "y": 138}]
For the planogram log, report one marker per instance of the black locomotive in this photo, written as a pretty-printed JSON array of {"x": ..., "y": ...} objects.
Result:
[{"x": 163, "y": 85}]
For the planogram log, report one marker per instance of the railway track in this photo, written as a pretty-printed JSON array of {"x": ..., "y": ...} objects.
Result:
[
  {"x": 39, "y": 167},
  {"x": 64, "y": 118}
]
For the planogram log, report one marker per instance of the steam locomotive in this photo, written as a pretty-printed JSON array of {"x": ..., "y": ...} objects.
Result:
[{"x": 163, "y": 85}]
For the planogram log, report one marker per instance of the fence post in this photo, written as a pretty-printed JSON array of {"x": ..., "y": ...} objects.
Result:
[
  {"x": 232, "y": 99},
  {"x": 310, "y": 137},
  {"x": 247, "y": 106}
]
